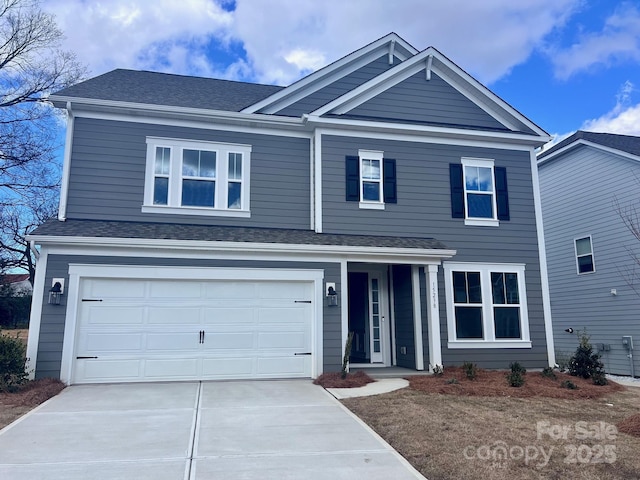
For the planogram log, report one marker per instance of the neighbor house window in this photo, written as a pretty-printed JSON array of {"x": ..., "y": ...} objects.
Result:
[
  {"x": 479, "y": 192},
  {"x": 197, "y": 178},
  {"x": 584, "y": 255},
  {"x": 486, "y": 305},
  {"x": 371, "y": 179}
]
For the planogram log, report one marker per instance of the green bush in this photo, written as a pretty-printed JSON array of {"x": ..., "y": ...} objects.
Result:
[
  {"x": 452, "y": 381},
  {"x": 12, "y": 363},
  {"x": 569, "y": 384},
  {"x": 584, "y": 362},
  {"x": 515, "y": 379},
  {"x": 470, "y": 370},
  {"x": 548, "y": 373},
  {"x": 517, "y": 368},
  {"x": 599, "y": 378}
]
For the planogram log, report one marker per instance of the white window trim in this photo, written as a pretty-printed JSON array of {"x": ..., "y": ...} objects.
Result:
[
  {"x": 175, "y": 178},
  {"x": 593, "y": 257},
  {"x": 371, "y": 155},
  {"x": 475, "y": 221},
  {"x": 485, "y": 270}
]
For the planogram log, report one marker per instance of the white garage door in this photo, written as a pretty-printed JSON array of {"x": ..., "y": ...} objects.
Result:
[{"x": 151, "y": 330}]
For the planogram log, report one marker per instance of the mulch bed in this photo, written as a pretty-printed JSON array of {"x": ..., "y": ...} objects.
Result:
[
  {"x": 33, "y": 393},
  {"x": 630, "y": 425},
  {"x": 335, "y": 380},
  {"x": 493, "y": 383}
]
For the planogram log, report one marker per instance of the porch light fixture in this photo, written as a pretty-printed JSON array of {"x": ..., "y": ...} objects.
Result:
[
  {"x": 56, "y": 291},
  {"x": 332, "y": 296}
]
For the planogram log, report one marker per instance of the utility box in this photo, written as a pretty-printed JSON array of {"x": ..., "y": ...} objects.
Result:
[{"x": 627, "y": 342}]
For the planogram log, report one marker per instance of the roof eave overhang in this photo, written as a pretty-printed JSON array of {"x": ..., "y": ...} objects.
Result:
[
  {"x": 581, "y": 142},
  {"x": 425, "y": 131},
  {"x": 199, "y": 114},
  {"x": 399, "y": 254}
]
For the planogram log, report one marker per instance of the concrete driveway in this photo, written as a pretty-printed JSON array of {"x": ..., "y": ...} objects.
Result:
[{"x": 196, "y": 431}]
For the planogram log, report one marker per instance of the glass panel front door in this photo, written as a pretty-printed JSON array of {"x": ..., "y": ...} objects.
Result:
[{"x": 375, "y": 319}]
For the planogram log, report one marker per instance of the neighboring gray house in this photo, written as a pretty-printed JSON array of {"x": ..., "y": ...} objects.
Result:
[
  {"x": 211, "y": 229},
  {"x": 589, "y": 182}
]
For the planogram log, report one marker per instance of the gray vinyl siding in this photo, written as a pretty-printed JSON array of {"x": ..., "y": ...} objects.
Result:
[
  {"x": 424, "y": 210},
  {"x": 107, "y": 174},
  {"x": 579, "y": 194},
  {"x": 338, "y": 88},
  {"x": 53, "y": 317},
  {"x": 417, "y": 100},
  {"x": 403, "y": 311}
]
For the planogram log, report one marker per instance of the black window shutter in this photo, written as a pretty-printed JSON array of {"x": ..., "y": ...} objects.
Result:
[
  {"x": 352, "y": 170},
  {"x": 502, "y": 195},
  {"x": 457, "y": 190},
  {"x": 389, "y": 185}
]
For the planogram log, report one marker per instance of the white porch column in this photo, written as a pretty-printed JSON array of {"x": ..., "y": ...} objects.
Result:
[
  {"x": 417, "y": 316},
  {"x": 435, "y": 350}
]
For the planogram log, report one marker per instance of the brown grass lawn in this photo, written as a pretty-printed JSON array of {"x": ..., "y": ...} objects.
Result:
[{"x": 505, "y": 434}]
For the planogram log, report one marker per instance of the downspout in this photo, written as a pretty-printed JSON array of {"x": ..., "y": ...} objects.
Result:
[{"x": 66, "y": 166}]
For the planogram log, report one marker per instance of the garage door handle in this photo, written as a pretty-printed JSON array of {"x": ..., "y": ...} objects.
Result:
[
  {"x": 91, "y": 299},
  {"x": 305, "y": 353},
  {"x": 302, "y": 301},
  {"x": 84, "y": 358}
]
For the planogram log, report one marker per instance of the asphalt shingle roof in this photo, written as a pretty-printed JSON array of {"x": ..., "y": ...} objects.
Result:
[
  {"x": 624, "y": 143},
  {"x": 168, "y": 89},
  {"x": 166, "y": 231}
]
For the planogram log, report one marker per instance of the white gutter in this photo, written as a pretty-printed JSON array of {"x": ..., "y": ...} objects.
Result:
[
  {"x": 34, "y": 250},
  {"x": 241, "y": 246},
  {"x": 66, "y": 166}
]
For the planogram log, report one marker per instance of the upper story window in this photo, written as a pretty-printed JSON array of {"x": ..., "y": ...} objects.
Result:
[
  {"x": 584, "y": 255},
  {"x": 197, "y": 178},
  {"x": 371, "y": 179},
  {"x": 486, "y": 305},
  {"x": 479, "y": 192}
]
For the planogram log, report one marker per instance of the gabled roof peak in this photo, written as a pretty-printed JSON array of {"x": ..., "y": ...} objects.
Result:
[{"x": 624, "y": 143}]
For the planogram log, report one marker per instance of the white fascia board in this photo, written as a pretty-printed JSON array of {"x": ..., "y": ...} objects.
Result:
[
  {"x": 587, "y": 143},
  {"x": 416, "y": 255},
  {"x": 425, "y": 133},
  {"x": 331, "y": 73},
  {"x": 196, "y": 113}
]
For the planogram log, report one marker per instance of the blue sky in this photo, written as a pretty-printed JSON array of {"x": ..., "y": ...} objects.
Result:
[{"x": 565, "y": 64}]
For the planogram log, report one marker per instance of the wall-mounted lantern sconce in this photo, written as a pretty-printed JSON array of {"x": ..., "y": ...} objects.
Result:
[
  {"x": 332, "y": 295},
  {"x": 568, "y": 330},
  {"x": 56, "y": 291}
]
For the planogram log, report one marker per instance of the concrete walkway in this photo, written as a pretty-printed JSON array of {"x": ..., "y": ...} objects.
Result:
[{"x": 196, "y": 431}]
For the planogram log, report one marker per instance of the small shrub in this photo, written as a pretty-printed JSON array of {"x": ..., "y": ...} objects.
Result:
[
  {"x": 569, "y": 384},
  {"x": 584, "y": 362},
  {"x": 599, "y": 378},
  {"x": 438, "y": 370},
  {"x": 12, "y": 364},
  {"x": 517, "y": 368},
  {"x": 452, "y": 381},
  {"x": 548, "y": 373},
  {"x": 470, "y": 370},
  {"x": 515, "y": 378}
]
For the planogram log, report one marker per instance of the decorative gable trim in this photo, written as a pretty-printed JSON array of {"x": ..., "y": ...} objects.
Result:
[
  {"x": 431, "y": 60},
  {"x": 391, "y": 45}
]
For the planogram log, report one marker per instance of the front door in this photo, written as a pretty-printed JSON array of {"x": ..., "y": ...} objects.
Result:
[{"x": 368, "y": 317}]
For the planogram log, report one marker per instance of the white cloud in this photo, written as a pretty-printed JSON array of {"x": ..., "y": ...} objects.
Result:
[
  {"x": 285, "y": 39},
  {"x": 618, "y": 41},
  {"x": 623, "y": 119}
]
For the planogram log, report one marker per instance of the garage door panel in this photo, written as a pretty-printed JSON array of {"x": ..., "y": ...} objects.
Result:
[
  {"x": 159, "y": 368},
  {"x": 171, "y": 315},
  {"x": 105, "y": 314},
  {"x": 112, "y": 342},
  {"x": 157, "y": 329},
  {"x": 110, "y": 288},
  {"x": 236, "y": 367},
  {"x": 171, "y": 341},
  {"x": 108, "y": 370},
  {"x": 286, "y": 340},
  {"x": 230, "y": 290},
  {"x": 226, "y": 315}
]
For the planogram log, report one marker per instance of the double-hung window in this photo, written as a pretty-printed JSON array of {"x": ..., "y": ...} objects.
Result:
[
  {"x": 197, "y": 178},
  {"x": 486, "y": 305},
  {"x": 371, "y": 179},
  {"x": 584, "y": 255},
  {"x": 479, "y": 192}
]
